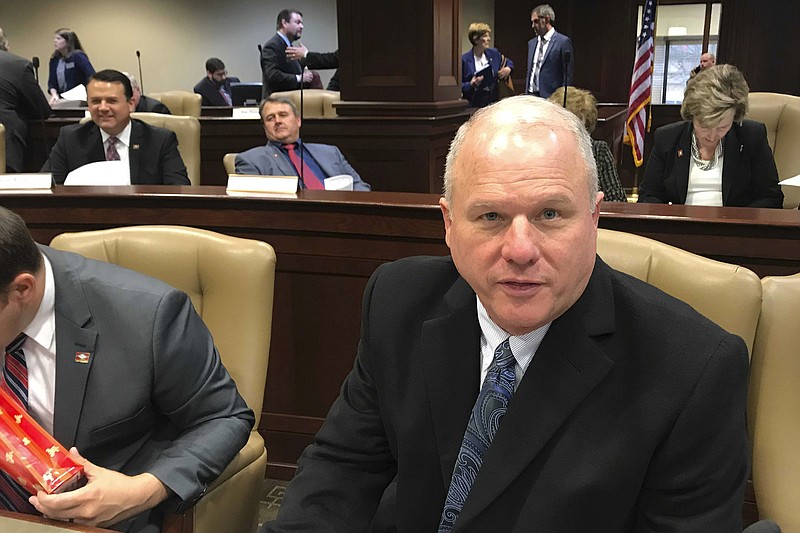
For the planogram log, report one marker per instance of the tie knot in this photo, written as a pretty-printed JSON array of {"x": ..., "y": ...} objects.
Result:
[
  {"x": 503, "y": 356},
  {"x": 16, "y": 343},
  {"x": 112, "y": 140},
  {"x": 290, "y": 147}
]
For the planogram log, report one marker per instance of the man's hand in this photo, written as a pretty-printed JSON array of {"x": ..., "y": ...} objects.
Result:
[
  {"x": 107, "y": 498},
  {"x": 296, "y": 52},
  {"x": 307, "y": 76},
  {"x": 504, "y": 72}
]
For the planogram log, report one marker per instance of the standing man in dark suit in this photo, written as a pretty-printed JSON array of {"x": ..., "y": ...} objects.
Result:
[
  {"x": 522, "y": 384},
  {"x": 21, "y": 99},
  {"x": 280, "y": 156},
  {"x": 548, "y": 55},
  {"x": 112, "y": 135},
  {"x": 215, "y": 88},
  {"x": 278, "y": 72},
  {"x": 149, "y": 408}
]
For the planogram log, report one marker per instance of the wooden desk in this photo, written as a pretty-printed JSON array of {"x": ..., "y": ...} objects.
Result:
[
  {"x": 329, "y": 243},
  {"x": 23, "y": 523}
]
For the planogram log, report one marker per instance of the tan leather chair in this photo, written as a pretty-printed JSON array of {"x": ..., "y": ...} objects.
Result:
[
  {"x": 781, "y": 114},
  {"x": 317, "y": 103},
  {"x": 703, "y": 283},
  {"x": 229, "y": 162},
  {"x": 231, "y": 283},
  {"x": 774, "y": 404},
  {"x": 187, "y": 129},
  {"x": 2, "y": 149},
  {"x": 180, "y": 102}
]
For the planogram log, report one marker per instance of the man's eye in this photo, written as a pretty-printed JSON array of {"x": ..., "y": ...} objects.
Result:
[
  {"x": 490, "y": 216},
  {"x": 549, "y": 214}
]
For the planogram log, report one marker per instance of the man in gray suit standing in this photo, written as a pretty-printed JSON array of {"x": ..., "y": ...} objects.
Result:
[
  {"x": 281, "y": 155},
  {"x": 121, "y": 369}
]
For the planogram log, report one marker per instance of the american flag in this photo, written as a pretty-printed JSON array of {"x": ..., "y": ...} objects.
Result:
[{"x": 641, "y": 83}]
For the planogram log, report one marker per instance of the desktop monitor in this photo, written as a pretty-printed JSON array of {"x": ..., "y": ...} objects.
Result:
[{"x": 246, "y": 93}]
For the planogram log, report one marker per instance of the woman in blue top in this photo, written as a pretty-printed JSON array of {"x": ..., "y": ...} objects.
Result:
[
  {"x": 69, "y": 65},
  {"x": 477, "y": 89}
]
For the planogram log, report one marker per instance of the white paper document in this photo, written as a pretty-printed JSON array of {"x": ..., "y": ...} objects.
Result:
[
  {"x": 101, "y": 173},
  {"x": 794, "y": 181},
  {"x": 342, "y": 182},
  {"x": 76, "y": 93}
]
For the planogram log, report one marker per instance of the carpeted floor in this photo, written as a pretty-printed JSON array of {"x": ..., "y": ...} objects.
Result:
[{"x": 271, "y": 497}]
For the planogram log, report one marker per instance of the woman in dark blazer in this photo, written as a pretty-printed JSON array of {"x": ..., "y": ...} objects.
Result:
[
  {"x": 69, "y": 65},
  {"x": 714, "y": 157},
  {"x": 480, "y": 91}
]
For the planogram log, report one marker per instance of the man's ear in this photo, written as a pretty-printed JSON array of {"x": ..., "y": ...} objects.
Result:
[
  {"x": 23, "y": 288},
  {"x": 447, "y": 215}
]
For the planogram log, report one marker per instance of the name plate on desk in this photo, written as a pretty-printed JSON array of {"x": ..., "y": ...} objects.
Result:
[
  {"x": 25, "y": 182},
  {"x": 243, "y": 183},
  {"x": 246, "y": 112}
]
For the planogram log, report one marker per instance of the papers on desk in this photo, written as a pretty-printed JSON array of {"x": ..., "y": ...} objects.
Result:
[
  {"x": 342, "y": 182},
  {"x": 245, "y": 183},
  {"x": 246, "y": 112},
  {"x": 793, "y": 181},
  {"x": 101, "y": 173},
  {"x": 22, "y": 183},
  {"x": 76, "y": 93}
]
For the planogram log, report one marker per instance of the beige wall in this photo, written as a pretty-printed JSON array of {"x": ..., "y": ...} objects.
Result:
[{"x": 175, "y": 37}]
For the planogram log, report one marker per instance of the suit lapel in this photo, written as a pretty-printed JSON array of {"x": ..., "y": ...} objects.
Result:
[
  {"x": 566, "y": 368},
  {"x": 684, "y": 155},
  {"x": 732, "y": 162},
  {"x": 451, "y": 354},
  {"x": 285, "y": 167},
  {"x": 135, "y": 150},
  {"x": 74, "y": 338}
]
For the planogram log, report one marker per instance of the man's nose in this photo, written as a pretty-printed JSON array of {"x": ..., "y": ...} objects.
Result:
[{"x": 520, "y": 242}]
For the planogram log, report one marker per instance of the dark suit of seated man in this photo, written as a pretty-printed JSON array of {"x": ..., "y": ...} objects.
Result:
[
  {"x": 279, "y": 156},
  {"x": 142, "y": 103},
  {"x": 151, "y": 412},
  {"x": 215, "y": 88},
  {"x": 151, "y": 152},
  {"x": 521, "y": 384}
]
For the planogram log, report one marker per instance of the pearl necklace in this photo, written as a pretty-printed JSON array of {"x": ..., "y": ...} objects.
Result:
[{"x": 701, "y": 163}]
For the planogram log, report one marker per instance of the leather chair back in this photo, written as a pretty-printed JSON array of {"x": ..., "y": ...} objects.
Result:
[
  {"x": 180, "y": 102},
  {"x": 317, "y": 103},
  {"x": 2, "y": 149},
  {"x": 703, "y": 283},
  {"x": 231, "y": 284},
  {"x": 781, "y": 114},
  {"x": 229, "y": 162},
  {"x": 187, "y": 129},
  {"x": 774, "y": 404}
]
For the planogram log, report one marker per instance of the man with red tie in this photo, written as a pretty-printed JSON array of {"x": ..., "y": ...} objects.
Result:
[{"x": 281, "y": 156}]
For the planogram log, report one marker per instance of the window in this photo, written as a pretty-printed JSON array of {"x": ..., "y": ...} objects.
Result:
[{"x": 683, "y": 32}]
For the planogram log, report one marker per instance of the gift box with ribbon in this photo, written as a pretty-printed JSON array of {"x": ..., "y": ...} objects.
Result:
[{"x": 30, "y": 455}]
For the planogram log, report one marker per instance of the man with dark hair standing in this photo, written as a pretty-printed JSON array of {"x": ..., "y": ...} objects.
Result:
[
  {"x": 148, "y": 410},
  {"x": 151, "y": 152},
  {"x": 548, "y": 54},
  {"x": 21, "y": 99},
  {"x": 215, "y": 88},
  {"x": 278, "y": 72}
]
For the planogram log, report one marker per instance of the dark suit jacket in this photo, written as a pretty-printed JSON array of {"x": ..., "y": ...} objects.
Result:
[
  {"x": 268, "y": 160},
  {"x": 477, "y": 96},
  {"x": 151, "y": 105},
  {"x": 749, "y": 174},
  {"x": 210, "y": 92},
  {"x": 78, "y": 71},
  {"x": 21, "y": 99},
  {"x": 154, "y": 396},
  {"x": 154, "y": 156},
  {"x": 278, "y": 73},
  {"x": 551, "y": 75},
  {"x": 630, "y": 418}
]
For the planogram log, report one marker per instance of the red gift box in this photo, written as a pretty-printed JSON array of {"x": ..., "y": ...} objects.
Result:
[{"x": 30, "y": 455}]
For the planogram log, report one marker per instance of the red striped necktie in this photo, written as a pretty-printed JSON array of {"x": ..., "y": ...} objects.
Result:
[
  {"x": 310, "y": 178},
  {"x": 15, "y": 381}
]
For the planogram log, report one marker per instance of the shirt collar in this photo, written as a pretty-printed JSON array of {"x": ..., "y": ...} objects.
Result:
[
  {"x": 522, "y": 346},
  {"x": 549, "y": 35},
  {"x": 42, "y": 328},
  {"x": 285, "y": 39},
  {"x": 124, "y": 136},
  {"x": 279, "y": 144}
]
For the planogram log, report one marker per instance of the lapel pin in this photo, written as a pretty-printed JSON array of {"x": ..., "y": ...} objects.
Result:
[
  {"x": 741, "y": 147},
  {"x": 680, "y": 153},
  {"x": 82, "y": 357},
  {"x": 134, "y": 147}
]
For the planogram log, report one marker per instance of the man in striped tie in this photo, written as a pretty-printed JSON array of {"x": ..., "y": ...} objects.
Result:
[
  {"x": 119, "y": 368},
  {"x": 521, "y": 384}
]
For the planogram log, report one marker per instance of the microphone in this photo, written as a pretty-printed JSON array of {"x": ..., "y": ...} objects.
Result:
[
  {"x": 763, "y": 526},
  {"x": 139, "y": 61},
  {"x": 259, "y": 48},
  {"x": 35, "y": 61},
  {"x": 566, "y": 56}
]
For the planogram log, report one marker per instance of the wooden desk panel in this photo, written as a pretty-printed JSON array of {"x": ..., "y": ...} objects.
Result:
[{"x": 329, "y": 243}]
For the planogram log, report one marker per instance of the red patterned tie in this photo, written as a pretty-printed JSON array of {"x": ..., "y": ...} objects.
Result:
[
  {"x": 111, "y": 151},
  {"x": 310, "y": 178},
  {"x": 15, "y": 381}
]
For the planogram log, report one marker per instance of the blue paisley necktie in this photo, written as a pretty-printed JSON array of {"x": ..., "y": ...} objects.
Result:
[{"x": 498, "y": 387}]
